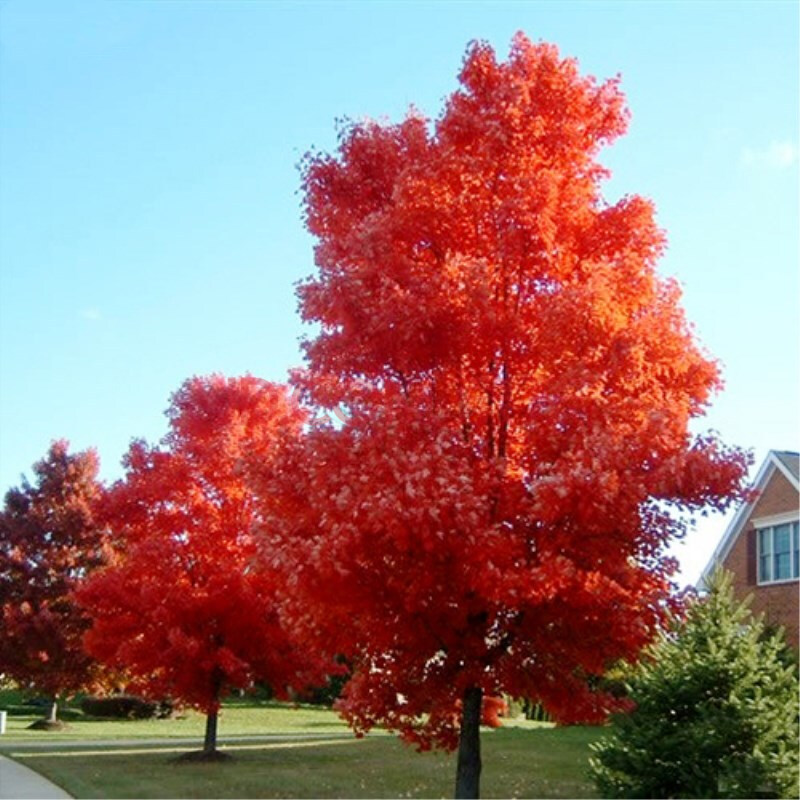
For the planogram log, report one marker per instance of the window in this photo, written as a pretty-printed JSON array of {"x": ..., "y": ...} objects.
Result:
[
  {"x": 765, "y": 555},
  {"x": 778, "y": 552}
]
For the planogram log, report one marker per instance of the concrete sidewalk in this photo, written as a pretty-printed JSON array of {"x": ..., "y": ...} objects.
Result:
[
  {"x": 8, "y": 745},
  {"x": 20, "y": 783}
]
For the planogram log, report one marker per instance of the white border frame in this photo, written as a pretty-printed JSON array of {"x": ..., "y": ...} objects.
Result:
[{"x": 776, "y": 519}]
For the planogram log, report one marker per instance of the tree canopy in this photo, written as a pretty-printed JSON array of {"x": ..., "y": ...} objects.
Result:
[
  {"x": 183, "y": 608},
  {"x": 493, "y": 513},
  {"x": 49, "y": 541}
]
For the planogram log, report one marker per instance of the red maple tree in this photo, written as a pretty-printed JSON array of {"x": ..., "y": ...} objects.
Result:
[
  {"x": 49, "y": 541},
  {"x": 492, "y": 516},
  {"x": 183, "y": 608}
]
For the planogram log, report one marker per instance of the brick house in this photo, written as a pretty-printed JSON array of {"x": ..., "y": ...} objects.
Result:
[{"x": 760, "y": 546}]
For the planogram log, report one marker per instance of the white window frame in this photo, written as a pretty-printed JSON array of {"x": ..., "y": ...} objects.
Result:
[{"x": 769, "y": 524}]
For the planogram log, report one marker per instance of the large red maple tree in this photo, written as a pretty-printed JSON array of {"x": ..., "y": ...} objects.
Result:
[
  {"x": 492, "y": 515},
  {"x": 49, "y": 541},
  {"x": 183, "y": 608}
]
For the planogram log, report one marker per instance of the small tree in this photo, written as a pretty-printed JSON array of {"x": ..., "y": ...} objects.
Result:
[
  {"x": 184, "y": 608},
  {"x": 49, "y": 541},
  {"x": 716, "y": 711}
]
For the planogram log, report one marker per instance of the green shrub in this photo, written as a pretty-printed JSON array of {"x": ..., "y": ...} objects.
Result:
[
  {"x": 716, "y": 712},
  {"x": 325, "y": 695},
  {"x": 123, "y": 706}
]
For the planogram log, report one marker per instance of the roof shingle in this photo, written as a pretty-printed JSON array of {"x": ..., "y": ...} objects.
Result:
[{"x": 789, "y": 460}]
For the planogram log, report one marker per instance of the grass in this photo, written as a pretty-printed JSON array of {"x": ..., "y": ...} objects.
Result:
[
  {"x": 239, "y": 717},
  {"x": 518, "y": 762},
  {"x": 522, "y": 760}
]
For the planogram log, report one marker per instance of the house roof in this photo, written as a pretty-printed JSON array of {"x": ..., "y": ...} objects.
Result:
[
  {"x": 790, "y": 461},
  {"x": 787, "y": 462}
]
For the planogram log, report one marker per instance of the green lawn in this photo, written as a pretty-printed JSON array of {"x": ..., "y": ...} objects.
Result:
[
  {"x": 238, "y": 718},
  {"x": 518, "y": 762},
  {"x": 522, "y": 760}
]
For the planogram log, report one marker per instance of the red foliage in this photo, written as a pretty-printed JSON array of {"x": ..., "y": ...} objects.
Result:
[
  {"x": 519, "y": 380},
  {"x": 492, "y": 710},
  {"x": 183, "y": 608},
  {"x": 48, "y": 541}
]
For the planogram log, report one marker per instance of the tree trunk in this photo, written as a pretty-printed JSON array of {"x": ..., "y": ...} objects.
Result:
[
  {"x": 52, "y": 716},
  {"x": 210, "y": 742},
  {"x": 468, "y": 770}
]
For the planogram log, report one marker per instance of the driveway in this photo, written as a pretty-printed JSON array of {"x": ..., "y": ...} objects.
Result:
[{"x": 20, "y": 783}]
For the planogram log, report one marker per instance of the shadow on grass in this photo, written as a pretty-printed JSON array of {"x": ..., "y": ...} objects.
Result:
[
  {"x": 202, "y": 757},
  {"x": 335, "y": 722},
  {"x": 544, "y": 764}
]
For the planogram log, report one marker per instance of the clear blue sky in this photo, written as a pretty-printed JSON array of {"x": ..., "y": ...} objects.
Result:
[{"x": 150, "y": 225}]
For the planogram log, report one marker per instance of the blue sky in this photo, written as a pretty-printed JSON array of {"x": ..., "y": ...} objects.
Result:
[{"x": 150, "y": 224}]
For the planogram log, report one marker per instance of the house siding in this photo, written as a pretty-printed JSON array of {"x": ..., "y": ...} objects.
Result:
[{"x": 779, "y": 603}]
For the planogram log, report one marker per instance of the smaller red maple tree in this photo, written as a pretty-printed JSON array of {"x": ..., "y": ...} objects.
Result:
[
  {"x": 49, "y": 540},
  {"x": 184, "y": 608}
]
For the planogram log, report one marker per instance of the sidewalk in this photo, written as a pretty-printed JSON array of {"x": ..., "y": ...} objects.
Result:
[
  {"x": 20, "y": 783},
  {"x": 8, "y": 744}
]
